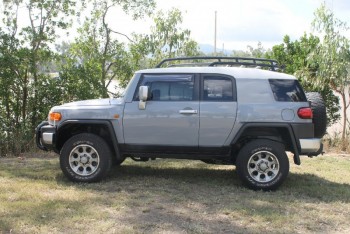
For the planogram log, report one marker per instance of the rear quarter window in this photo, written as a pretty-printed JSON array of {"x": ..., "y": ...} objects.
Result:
[{"x": 287, "y": 90}]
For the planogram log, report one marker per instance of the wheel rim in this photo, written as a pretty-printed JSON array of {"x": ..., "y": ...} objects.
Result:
[
  {"x": 84, "y": 160},
  {"x": 263, "y": 166}
]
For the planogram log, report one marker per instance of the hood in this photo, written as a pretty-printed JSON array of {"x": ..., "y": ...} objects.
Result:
[{"x": 93, "y": 102}]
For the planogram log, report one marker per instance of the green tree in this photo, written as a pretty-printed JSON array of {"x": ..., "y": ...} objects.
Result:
[
  {"x": 46, "y": 17},
  {"x": 27, "y": 92},
  {"x": 167, "y": 39},
  {"x": 294, "y": 54},
  {"x": 97, "y": 55},
  {"x": 333, "y": 57},
  {"x": 13, "y": 91}
]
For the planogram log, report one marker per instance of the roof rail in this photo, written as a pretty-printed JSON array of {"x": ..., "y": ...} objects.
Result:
[{"x": 214, "y": 61}]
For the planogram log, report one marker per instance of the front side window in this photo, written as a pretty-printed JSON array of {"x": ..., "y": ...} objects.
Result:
[
  {"x": 217, "y": 88},
  {"x": 178, "y": 87}
]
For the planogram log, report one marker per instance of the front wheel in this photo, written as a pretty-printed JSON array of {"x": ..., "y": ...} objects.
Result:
[
  {"x": 85, "y": 158},
  {"x": 262, "y": 164}
]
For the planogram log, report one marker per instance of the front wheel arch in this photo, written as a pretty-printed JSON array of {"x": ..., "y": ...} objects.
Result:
[{"x": 102, "y": 128}]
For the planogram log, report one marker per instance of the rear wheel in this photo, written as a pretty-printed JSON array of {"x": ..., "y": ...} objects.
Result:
[
  {"x": 262, "y": 165},
  {"x": 85, "y": 158}
]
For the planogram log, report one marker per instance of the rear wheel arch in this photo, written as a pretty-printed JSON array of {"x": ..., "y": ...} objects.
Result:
[{"x": 282, "y": 133}]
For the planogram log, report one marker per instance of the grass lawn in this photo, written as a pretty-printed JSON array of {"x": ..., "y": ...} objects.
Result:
[{"x": 173, "y": 196}]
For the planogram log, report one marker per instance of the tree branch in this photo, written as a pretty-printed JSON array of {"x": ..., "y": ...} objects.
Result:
[
  {"x": 109, "y": 66},
  {"x": 348, "y": 100},
  {"x": 16, "y": 24},
  {"x": 105, "y": 25},
  {"x": 110, "y": 80},
  {"x": 122, "y": 35}
]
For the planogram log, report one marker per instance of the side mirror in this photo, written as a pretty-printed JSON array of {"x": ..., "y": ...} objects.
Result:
[{"x": 143, "y": 95}]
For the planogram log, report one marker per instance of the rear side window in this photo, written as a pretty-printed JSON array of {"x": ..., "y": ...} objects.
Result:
[
  {"x": 287, "y": 90},
  {"x": 217, "y": 88}
]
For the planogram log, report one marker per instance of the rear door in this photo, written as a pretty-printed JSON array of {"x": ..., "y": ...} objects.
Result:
[
  {"x": 171, "y": 117},
  {"x": 218, "y": 109}
]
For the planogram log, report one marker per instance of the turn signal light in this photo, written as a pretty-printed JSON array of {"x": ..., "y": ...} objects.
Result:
[
  {"x": 55, "y": 116},
  {"x": 305, "y": 113}
]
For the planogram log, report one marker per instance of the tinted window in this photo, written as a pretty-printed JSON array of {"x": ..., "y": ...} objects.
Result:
[
  {"x": 217, "y": 88},
  {"x": 287, "y": 91},
  {"x": 169, "y": 87}
]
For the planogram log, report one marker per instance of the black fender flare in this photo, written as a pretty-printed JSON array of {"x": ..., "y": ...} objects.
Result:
[
  {"x": 295, "y": 145},
  {"x": 106, "y": 123}
]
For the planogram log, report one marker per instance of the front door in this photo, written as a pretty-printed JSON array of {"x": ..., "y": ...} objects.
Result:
[{"x": 171, "y": 116}]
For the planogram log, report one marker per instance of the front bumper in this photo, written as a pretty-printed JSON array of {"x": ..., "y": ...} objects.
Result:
[
  {"x": 45, "y": 135},
  {"x": 311, "y": 146}
]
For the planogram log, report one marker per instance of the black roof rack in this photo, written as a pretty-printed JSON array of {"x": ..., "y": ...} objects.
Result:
[{"x": 214, "y": 61}]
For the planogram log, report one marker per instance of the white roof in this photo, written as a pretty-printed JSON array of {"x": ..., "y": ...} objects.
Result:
[{"x": 236, "y": 72}]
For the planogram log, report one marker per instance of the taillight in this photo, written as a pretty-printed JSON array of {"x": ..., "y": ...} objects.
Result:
[{"x": 305, "y": 113}]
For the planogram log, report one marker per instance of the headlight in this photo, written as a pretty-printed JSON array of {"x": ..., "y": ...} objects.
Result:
[{"x": 55, "y": 116}]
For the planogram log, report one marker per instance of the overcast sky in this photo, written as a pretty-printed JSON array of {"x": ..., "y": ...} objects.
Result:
[{"x": 241, "y": 22}]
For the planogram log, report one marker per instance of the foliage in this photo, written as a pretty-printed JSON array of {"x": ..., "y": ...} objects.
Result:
[
  {"x": 24, "y": 53},
  {"x": 98, "y": 47},
  {"x": 333, "y": 57},
  {"x": 166, "y": 40}
]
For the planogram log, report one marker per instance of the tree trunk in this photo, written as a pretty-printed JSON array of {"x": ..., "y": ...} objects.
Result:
[
  {"x": 25, "y": 97},
  {"x": 35, "y": 85},
  {"x": 343, "y": 97}
]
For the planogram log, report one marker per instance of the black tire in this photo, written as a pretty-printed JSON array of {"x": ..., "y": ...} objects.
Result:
[
  {"x": 117, "y": 162},
  {"x": 262, "y": 165},
  {"x": 85, "y": 158},
  {"x": 319, "y": 112}
]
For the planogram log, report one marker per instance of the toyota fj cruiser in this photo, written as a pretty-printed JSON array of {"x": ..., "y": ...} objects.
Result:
[{"x": 222, "y": 110}]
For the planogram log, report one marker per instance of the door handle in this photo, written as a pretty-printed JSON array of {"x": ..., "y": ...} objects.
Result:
[{"x": 188, "y": 111}]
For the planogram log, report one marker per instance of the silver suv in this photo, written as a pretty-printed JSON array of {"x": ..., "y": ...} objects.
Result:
[{"x": 221, "y": 110}]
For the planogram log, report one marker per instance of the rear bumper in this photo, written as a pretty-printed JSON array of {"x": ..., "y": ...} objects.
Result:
[
  {"x": 45, "y": 136},
  {"x": 311, "y": 146}
]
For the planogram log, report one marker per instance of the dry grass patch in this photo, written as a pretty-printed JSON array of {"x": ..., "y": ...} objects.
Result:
[{"x": 166, "y": 196}]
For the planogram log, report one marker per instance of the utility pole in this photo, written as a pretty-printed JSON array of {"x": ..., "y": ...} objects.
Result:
[{"x": 215, "y": 34}]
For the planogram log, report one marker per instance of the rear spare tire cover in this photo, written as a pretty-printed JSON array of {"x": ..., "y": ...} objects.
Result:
[{"x": 319, "y": 113}]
